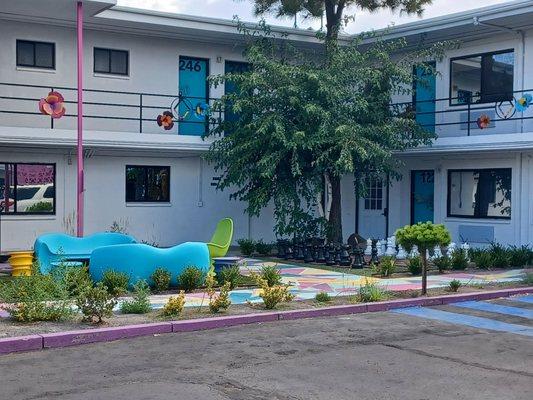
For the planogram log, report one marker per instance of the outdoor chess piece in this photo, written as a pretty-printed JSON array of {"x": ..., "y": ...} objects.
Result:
[
  {"x": 330, "y": 249},
  {"x": 368, "y": 249},
  {"x": 465, "y": 247},
  {"x": 345, "y": 259},
  {"x": 379, "y": 248},
  {"x": 391, "y": 250},
  {"x": 451, "y": 248},
  {"x": 374, "y": 257},
  {"x": 383, "y": 243},
  {"x": 281, "y": 248},
  {"x": 358, "y": 260},
  {"x": 289, "y": 254},
  {"x": 437, "y": 252},
  {"x": 414, "y": 252},
  {"x": 402, "y": 254},
  {"x": 308, "y": 253},
  {"x": 338, "y": 254},
  {"x": 299, "y": 251},
  {"x": 320, "y": 254}
]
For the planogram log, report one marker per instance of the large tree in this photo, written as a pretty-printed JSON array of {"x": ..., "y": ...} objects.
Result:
[{"x": 305, "y": 119}]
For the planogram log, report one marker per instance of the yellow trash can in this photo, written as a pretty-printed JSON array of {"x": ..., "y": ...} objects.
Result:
[{"x": 21, "y": 262}]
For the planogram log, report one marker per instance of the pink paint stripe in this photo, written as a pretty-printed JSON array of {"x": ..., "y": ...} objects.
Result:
[
  {"x": 21, "y": 343},
  {"x": 80, "y": 184}
]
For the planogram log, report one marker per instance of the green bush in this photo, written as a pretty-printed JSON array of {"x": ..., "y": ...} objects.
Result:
[
  {"x": 271, "y": 275},
  {"x": 230, "y": 275},
  {"x": 370, "y": 292},
  {"x": 386, "y": 266},
  {"x": 263, "y": 248},
  {"x": 191, "y": 278},
  {"x": 73, "y": 279},
  {"x": 140, "y": 302},
  {"x": 482, "y": 258},
  {"x": 322, "y": 297},
  {"x": 455, "y": 285},
  {"x": 116, "y": 282},
  {"x": 220, "y": 301},
  {"x": 414, "y": 265},
  {"x": 96, "y": 303},
  {"x": 41, "y": 206},
  {"x": 247, "y": 246},
  {"x": 528, "y": 278},
  {"x": 500, "y": 255},
  {"x": 174, "y": 305},
  {"x": 520, "y": 256},
  {"x": 459, "y": 260},
  {"x": 442, "y": 263},
  {"x": 161, "y": 280}
]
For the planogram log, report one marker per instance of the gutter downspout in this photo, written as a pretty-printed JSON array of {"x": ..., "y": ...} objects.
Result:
[{"x": 80, "y": 183}]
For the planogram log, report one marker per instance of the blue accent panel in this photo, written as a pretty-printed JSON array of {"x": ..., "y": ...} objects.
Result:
[
  {"x": 468, "y": 320},
  {"x": 423, "y": 187},
  {"x": 193, "y": 73},
  {"x": 524, "y": 299},
  {"x": 425, "y": 90},
  {"x": 476, "y": 233},
  {"x": 496, "y": 308}
]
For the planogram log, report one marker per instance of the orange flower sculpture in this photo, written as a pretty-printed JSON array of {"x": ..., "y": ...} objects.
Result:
[
  {"x": 165, "y": 120},
  {"x": 483, "y": 121},
  {"x": 52, "y": 105}
]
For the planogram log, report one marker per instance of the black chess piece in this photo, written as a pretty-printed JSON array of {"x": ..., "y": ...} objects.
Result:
[
  {"x": 308, "y": 253},
  {"x": 330, "y": 260},
  {"x": 289, "y": 254},
  {"x": 320, "y": 254},
  {"x": 358, "y": 258},
  {"x": 298, "y": 251},
  {"x": 374, "y": 258},
  {"x": 344, "y": 256},
  {"x": 281, "y": 248},
  {"x": 337, "y": 254}
]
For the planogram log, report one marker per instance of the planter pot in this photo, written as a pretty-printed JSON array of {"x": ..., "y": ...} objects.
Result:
[{"x": 21, "y": 262}]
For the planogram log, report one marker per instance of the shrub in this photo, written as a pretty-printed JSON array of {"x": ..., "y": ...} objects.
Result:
[
  {"x": 500, "y": 255},
  {"x": 386, "y": 266},
  {"x": 414, "y": 265},
  {"x": 482, "y": 258},
  {"x": 442, "y": 263},
  {"x": 271, "y": 295},
  {"x": 322, "y": 297},
  {"x": 455, "y": 285},
  {"x": 247, "y": 246},
  {"x": 263, "y": 248},
  {"x": 230, "y": 275},
  {"x": 140, "y": 302},
  {"x": 96, "y": 302},
  {"x": 271, "y": 275},
  {"x": 190, "y": 278},
  {"x": 520, "y": 256},
  {"x": 528, "y": 278},
  {"x": 174, "y": 305},
  {"x": 221, "y": 300},
  {"x": 370, "y": 292},
  {"x": 161, "y": 279},
  {"x": 115, "y": 282},
  {"x": 459, "y": 259},
  {"x": 73, "y": 279}
]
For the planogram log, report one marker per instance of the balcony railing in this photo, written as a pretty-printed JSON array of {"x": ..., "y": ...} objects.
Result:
[{"x": 108, "y": 110}]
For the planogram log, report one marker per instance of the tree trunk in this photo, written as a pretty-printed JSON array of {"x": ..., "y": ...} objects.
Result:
[
  {"x": 335, "y": 215},
  {"x": 424, "y": 271}
]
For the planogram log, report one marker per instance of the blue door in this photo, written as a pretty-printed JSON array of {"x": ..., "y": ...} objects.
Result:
[
  {"x": 193, "y": 73},
  {"x": 422, "y": 196},
  {"x": 424, "y": 98}
]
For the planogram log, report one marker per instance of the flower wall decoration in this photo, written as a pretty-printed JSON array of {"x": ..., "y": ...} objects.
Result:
[
  {"x": 483, "y": 121},
  {"x": 523, "y": 102},
  {"x": 53, "y": 105},
  {"x": 201, "y": 110},
  {"x": 165, "y": 120}
]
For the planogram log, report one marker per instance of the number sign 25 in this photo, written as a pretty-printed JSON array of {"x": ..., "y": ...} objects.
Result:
[{"x": 190, "y": 65}]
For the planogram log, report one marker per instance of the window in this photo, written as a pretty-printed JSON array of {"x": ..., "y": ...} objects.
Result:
[
  {"x": 147, "y": 184},
  {"x": 35, "y": 54},
  {"x": 479, "y": 193},
  {"x": 107, "y": 61},
  {"x": 27, "y": 188},
  {"x": 374, "y": 194},
  {"x": 482, "y": 78}
]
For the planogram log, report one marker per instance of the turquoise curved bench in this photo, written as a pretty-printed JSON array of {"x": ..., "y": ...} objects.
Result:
[
  {"x": 139, "y": 261},
  {"x": 54, "y": 248}
]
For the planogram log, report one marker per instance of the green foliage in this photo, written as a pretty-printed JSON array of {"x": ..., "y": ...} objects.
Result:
[
  {"x": 116, "y": 282},
  {"x": 425, "y": 235},
  {"x": 96, "y": 303},
  {"x": 482, "y": 258},
  {"x": 370, "y": 292},
  {"x": 322, "y": 297},
  {"x": 414, "y": 265},
  {"x": 247, "y": 246},
  {"x": 500, "y": 255},
  {"x": 528, "y": 278},
  {"x": 73, "y": 279},
  {"x": 191, "y": 278},
  {"x": 520, "y": 256},
  {"x": 459, "y": 260},
  {"x": 263, "y": 248},
  {"x": 455, "y": 285},
  {"x": 174, "y": 305},
  {"x": 271, "y": 275},
  {"x": 442, "y": 263},
  {"x": 140, "y": 302},
  {"x": 220, "y": 301},
  {"x": 41, "y": 206},
  {"x": 230, "y": 275},
  {"x": 161, "y": 279},
  {"x": 386, "y": 266}
]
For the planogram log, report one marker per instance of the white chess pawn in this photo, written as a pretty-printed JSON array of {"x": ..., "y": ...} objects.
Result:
[
  {"x": 402, "y": 254},
  {"x": 391, "y": 250},
  {"x": 451, "y": 248},
  {"x": 414, "y": 252},
  {"x": 437, "y": 252},
  {"x": 368, "y": 250},
  {"x": 466, "y": 247},
  {"x": 379, "y": 246}
]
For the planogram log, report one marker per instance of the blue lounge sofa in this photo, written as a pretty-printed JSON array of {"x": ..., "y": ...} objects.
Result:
[
  {"x": 54, "y": 248},
  {"x": 139, "y": 261}
]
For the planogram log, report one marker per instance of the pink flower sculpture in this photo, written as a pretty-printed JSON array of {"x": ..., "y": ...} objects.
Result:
[
  {"x": 483, "y": 121},
  {"x": 53, "y": 105},
  {"x": 165, "y": 120}
]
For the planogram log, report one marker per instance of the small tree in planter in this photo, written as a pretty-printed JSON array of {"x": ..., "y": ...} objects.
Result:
[{"x": 425, "y": 235}]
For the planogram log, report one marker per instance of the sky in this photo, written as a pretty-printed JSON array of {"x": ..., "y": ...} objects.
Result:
[{"x": 364, "y": 21}]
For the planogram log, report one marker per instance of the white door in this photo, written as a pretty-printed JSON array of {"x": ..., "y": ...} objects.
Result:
[{"x": 372, "y": 209}]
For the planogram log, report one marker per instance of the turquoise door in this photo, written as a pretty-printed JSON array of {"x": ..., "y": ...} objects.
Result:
[
  {"x": 424, "y": 98},
  {"x": 231, "y": 87},
  {"x": 422, "y": 196},
  {"x": 193, "y": 73}
]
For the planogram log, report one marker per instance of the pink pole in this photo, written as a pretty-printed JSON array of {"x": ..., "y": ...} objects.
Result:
[{"x": 79, "y": 204}]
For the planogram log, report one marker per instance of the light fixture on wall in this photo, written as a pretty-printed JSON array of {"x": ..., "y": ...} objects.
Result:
[{"x": 219, "y": 59}]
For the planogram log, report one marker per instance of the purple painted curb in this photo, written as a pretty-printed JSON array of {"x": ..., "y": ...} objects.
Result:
[
  {"x": 21, "y": 343},
  {"x": 73, "y": 338}
]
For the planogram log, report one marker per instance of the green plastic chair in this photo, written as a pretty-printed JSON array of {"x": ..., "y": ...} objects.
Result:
[{"x": 221, "y": 240}]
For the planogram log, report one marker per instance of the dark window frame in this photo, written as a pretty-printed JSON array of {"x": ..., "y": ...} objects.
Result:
[
  {"x": 145, "y": 168},
  {"x": 110, "y": 52},
  {"x": 492, "y": 53},
  {"x": 33, "y": 43},
  {"x": 448, "y": 193},
  {"x": 15, "y": 185}
]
